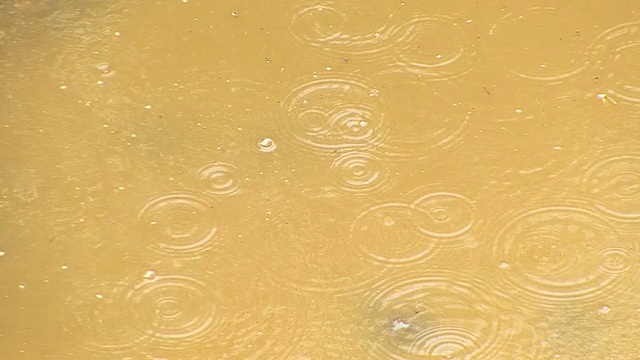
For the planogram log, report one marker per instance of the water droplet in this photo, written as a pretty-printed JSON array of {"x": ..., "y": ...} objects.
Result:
[
  {"x": 266, "y": 145},
  {"x": 2, "y": 253},
  {"x": 150, "y": 275}
]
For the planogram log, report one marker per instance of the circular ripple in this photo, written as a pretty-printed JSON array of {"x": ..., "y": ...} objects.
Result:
[
  {"x": 556, "y": 53},
  {"x": 615, "y": 182},
  {"x": 617, "y": 51},
  {"x": 359, "y": 173},
  {"x": 548, "y": 64},
  {"x": 329, "y": 27},
  {"x": 220, "y": 179},
  {"x": 558, "y": 256},
  {"x": 435, "y": 314},
  {"x": 615, "y": 260},
  {"x": 178, "y": 223},
  {"x": 99, "y": 324},
  {"x": 330, "y": 114},
  {"x": 176, "y": 311},
  {"x": 434, "y": 48},
  {"x": 386, "y": 235},
  {"x": 447, "y": 217}
]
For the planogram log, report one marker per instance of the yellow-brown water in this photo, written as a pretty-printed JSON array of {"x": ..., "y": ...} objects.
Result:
[{"x": 319, "y": 180}]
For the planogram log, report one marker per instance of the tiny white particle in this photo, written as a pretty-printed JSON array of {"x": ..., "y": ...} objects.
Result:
[
  {"x": 99, "y": 296},
  {"x": 63, "y": 87},
  {"x": 117, "y": 33},
  {"x": 2, "y": 253},
  {"x": 22, "y": 286},
  {"x": 148, "y": 107},
  {"x": 64, "y": 267},
  {"x": 120, "y": 187}
]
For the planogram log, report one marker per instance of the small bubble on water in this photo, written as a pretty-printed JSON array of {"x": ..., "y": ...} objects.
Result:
[
  {"x": 149, "y": 275},
  {"x": 266, "y": 145},
  {"x": 604, "y": 309},
  {"x": 105, "y": 70},
  {"x": 503, "y": 265},
  {"x": 147, "y": 107},
  {"x": 2, "y": 253},
  {"x": 63, "y": 87},
  {"x": 64, "y": 267},
  {"x": 22, "y": 286},
  {"x": 99, "y": 296},
  {"x": 373, "y": 92},
  {"x": 234, "y": 13}
]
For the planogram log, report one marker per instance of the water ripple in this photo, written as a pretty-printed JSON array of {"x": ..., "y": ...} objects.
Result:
[
  {"x": 177, "y": 223},
  {"x": 328, "y": 27},
  {"x": 220, "y": 179},
  {"x": 176, "y": 311},
  {"x": 387, "y": 236},
  {"x": 434, "y": 313},
  {"x": 97, "y": 322},
  {"x": 562, "y": 256},
  {"x": 448, "y": 217},
  {"x": 359, "y": 173},
  {"x": 553, "y": 82},
  {"x": 536, "y": 58},
  {"x": 614, "y": 180},
  {"x": 432, "y": 47},
  {"x": 334, "y": 112},
  {"x": 616, "y": 52}
]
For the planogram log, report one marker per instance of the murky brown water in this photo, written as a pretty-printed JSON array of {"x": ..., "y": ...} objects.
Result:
[{"x": 319, "y": 180}]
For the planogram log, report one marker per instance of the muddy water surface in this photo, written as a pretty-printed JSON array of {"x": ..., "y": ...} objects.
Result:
[{"x": 319, "y": 180}]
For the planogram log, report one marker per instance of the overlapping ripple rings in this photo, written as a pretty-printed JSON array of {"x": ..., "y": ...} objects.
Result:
[
  {"x": 330, "y": 27},
  {"x": 619, "y": 48},
  {"x": 96, "y": 322},
  {"x": 386, "y": 235},
  {"x": 334, "y": 112},
  {"x": 614, "y": 181},
  {"x": 359, "y": 173},
  {"x": 177, "y": 223},
  {"x": 448, "y": 217},
  {"x": 435, "y": 314},
  {"x": 176, "y": 311},
  {"x": 434, "y": 48},
  {"x": 562, "y": 256},
  {"x": 220, "y": 179}
]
